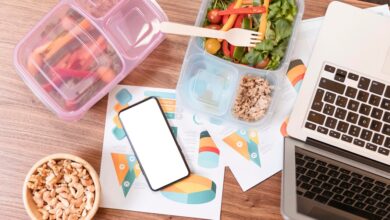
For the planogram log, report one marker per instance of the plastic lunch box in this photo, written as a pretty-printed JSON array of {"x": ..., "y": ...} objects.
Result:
[
  {"x": 209, "y": 84},
  {"x": 82, "y": 48}
]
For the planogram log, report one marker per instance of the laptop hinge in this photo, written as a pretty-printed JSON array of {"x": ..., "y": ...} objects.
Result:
[{"x": 347, "y": 154}]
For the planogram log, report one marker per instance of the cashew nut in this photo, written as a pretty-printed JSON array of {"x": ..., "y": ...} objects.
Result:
[{"x": 45, "y": 214}]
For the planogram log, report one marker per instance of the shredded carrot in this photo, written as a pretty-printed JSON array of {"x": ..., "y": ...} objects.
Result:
[
  {"x": 232, "y": 18},
  {"x": 60, "y": 42},
  {"x": 263, "y": 21}
]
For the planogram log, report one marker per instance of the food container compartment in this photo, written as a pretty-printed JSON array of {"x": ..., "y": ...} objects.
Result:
[
  {"x": 274, "y": 77},
  {"x": 97, "y": 8},
  {"x": 70, "y": 60},
  {"x": 208, "y": 84},
  {"x": 134, "y": 27},
  {"x": 275, "y": 95}
]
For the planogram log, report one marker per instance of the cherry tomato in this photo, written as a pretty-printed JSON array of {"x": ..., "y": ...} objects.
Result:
[
  {"x": 263, "y": 64},
  {"x": 214, "y": 26},
  {"x": 212, "y": 45},
  {"x": 213, "y": 16}
]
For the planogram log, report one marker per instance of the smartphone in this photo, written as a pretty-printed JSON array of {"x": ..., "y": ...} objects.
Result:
[{"x": 154, "y": 145}]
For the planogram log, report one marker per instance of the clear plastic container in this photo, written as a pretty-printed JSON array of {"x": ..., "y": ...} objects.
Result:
[
  {"x": 83, "y": 48},
  {"x": 209, "y": 84}
]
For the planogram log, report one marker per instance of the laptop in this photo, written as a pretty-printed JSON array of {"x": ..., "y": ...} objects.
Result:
[{"x": 337, "y": 158}]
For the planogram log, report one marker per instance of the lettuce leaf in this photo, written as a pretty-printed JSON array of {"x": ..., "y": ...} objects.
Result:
[{"x": 283, "y": 29}]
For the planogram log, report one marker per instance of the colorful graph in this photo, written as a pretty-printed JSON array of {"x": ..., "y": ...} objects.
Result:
[
  {"x": 245, "y": 142},
  {"x": 194, "y": 189},
  {"x": 123, "y": 97},
  {"x": 167, "y": 101},
  {"x": 296, "y": 73},
  {"x": 127, "y": 170},
  {"x": 208, "y": 156}
]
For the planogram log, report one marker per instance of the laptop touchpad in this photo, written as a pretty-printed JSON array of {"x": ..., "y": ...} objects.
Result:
[{"x": 386, "y": 66}]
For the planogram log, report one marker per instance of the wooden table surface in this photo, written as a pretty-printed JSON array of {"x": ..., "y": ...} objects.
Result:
[{"x": 29, "y": 131}]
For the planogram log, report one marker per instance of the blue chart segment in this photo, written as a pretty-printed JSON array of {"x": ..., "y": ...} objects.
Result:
[{"x": 122, "y": 98}]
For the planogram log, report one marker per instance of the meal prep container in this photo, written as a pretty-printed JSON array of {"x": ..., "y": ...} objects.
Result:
[
  {"x": 209, "y": 84},
  {"x": 83, "y": 48}
]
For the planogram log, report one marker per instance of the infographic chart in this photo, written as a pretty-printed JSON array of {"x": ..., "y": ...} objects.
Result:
[
  {"x": 127, "y": 170},
  {"x": 245, "y": 142}
]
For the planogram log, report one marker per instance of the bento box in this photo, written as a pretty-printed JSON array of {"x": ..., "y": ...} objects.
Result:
[
  {"x": 219, "y": 83},
  {"x": 83, "y": 48}
]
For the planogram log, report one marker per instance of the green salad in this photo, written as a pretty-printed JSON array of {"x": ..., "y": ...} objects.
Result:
[{"x": 273, "y": 19}]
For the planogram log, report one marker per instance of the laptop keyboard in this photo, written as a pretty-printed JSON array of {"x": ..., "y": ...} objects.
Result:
[
  {"x": 352, "y": 108},
  {"x": 342, "y": 188}
]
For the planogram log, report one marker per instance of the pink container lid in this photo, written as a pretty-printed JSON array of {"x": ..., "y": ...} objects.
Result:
[{"x": 83, "y": 48}]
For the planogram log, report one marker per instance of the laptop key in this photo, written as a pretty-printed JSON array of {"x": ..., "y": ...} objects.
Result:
[
  {"x": 337, "y": 190},
  {"x": 305, "y": 186},
  {"x": 371, "y": 209},
  {"x": 342, "y": 127},
  {"x": 356, "y": 188},
  {"x": 326, "y": 186},
  {"x": 354, "y": 131},
  {"x": 364, "y": 121},
  {"x": 387, "y": 143},
  {"x": 364, "y": 83},
  {"x": 353, "y": 76},
  {"x": 366, "y": 135},
  {"x": 330, "y": 97},
  {"x": 353, "y": 210},
  {"x": 384, "y": 151},
  {"x": 344, "y": 177},
  {"x": 387, "y": 93},
  {"x": 378, "y": 196},
  {"x": 368, "y": 193},
  {"x": 351, "y": 92},
  {"x": 348, "y": 201},
  {"x": 363, "y": 96},
  {"x": 365, "y": 109},
  {"x": 317, "y": 106},
  {"x": 329, "y": 110},
  {"x": 348, "y": 193},
  {"x": 374, "y": 100},
  {"x": 376, "y": 125},
  {"x": 310, "y": 165},
  {"x": 311, "y": 173},
  {"x": 386, "y": 117},
  {"x": 338, "y": 197},
  {"x": 330, "y": 68},
  {"x": 359, "y": 143},
  {"x": 377, "y": 87},
  {"x": 309, "y": 195},
  {"x": 360, "y": 197},
  {"x": 333, "y": 167},
  {"x": 381, "y": 205},
  {"x": 299, "y": 162},
  {"x": 345, "y": 171},
  {"x": 335, "y": 174},
  {"x": 334, "y": 134},
  {"x": 316, "y": 117},
  {"x": 345, "y": 185},
  {"x": 315, "y": 182},
  {"x": 346, "y": 138},
  {"x": 340, "y": 75},
  {"x": 327, "y": 194},
  {"x": 304, "y": 178},
  {"x": 316, "y": 190},
  {"x": 320, "y": 162},
  {"x": 386, "y": 129},
  {"x": 371, "y": 147},
  {"x": 386, "y": 104},
  {"x": 323, "y": 177},
  {"x": 378, "y": 139},
  {"x": 352, "y": 117},
  {"x": 332, "y": 86},
  {"x": 301, "y": 170},
  {"x": 340, "y": 113},
  {"x": 353, "y": 105},
  {"x": 322, "y": 169},
  {"x": 368, "y": 179},
  {"x": 359, "y": 205},
  {"x": 310, "y": 126},
  {"x": 381, "y": 212},
  {"x": 341, "y": 101},
  {"x": 356, "y": 175},
  {"x": 370, "y": 201},
  {"x": 308, "y": 158},
  {"x": 381, "y": 184},
  {"x": 321, "y": 199}
]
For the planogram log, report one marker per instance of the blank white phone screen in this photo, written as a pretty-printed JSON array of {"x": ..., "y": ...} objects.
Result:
[{"x": 153, "y": 143}]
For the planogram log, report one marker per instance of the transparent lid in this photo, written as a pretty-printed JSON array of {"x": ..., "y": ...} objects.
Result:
[{"x": 69, "y": 58}]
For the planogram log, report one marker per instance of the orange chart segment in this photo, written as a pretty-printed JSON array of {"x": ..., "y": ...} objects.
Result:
[
  {"x": 194, "y": 189},
  {"x": 245, "y": 142}
]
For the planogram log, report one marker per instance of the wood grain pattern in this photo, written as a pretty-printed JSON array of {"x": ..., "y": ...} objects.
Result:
[{"x": 28, "y": 131}]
